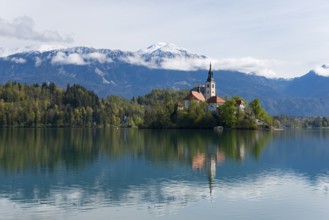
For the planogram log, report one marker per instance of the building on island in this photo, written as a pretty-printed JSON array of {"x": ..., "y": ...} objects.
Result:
[
  {"x": 193, "y": 96},
  {"x": 214, "y": 102},
  {"x": 210, "y": 85},
  {"x": 205, "y": 93}
]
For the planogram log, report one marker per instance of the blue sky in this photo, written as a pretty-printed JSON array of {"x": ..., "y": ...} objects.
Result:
[{"x": 289, "y": 37}]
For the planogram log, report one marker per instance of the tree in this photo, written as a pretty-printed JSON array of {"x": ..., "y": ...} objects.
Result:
[
  {"x": 258, "y": 111},
  {"x": 228, "y": 113}
]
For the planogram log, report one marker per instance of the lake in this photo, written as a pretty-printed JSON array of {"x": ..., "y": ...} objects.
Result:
[{"x": 163, "y": 174}]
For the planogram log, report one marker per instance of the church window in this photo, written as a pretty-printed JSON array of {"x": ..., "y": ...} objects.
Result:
[{"x": 213, "y": 85}]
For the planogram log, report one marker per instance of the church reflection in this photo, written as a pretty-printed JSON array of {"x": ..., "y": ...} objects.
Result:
[
  {"x": 208, "y": 163},
  {"x": 112, "y": 162},
  {"x": 227, "y": 147}
]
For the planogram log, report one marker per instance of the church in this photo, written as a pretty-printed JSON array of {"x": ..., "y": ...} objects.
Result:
[{"x": 205, "y": 93}]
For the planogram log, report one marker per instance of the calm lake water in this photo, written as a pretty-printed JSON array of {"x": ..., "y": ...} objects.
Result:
[{"x": 159, "y": 174}]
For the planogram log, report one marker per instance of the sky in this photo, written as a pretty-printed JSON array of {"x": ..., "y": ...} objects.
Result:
[{"x": 286, "y": 38}]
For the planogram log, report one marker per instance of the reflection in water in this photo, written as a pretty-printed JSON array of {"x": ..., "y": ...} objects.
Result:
[
  {"x": 72, "y": 172},
  {"x": 74, "y": 148}
]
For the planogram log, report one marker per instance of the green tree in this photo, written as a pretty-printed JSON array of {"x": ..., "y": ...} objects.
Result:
[
  {"x": 228, "y": 113},
  {"x": 258, "y": 111}
]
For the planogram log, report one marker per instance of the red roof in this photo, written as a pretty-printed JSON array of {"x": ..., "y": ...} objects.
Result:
[
  {"x": 216, "y": 99},
  {"x": 194, "y": 95}
]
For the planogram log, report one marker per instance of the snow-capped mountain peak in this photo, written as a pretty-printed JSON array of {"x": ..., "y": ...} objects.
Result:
[
  {"x": 44, "y": 48},
  {"x": 167, "y": 56},
  {"x": 157, "y": 56},
  {"x": 4, "y": 52},
  {"x": 167, "y": 50},
  {"x": 164, "y": 47}
]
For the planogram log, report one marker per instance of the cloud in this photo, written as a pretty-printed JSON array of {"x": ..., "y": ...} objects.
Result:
[
  {"x": 62, "y": 58},
  {"x": 100, "y": 57},
  {"x": 80, "y": 59},
  {"x": 23, "y": 28},
  {"x": 185, "y": 64},
  {"x": 138, "y": 60},
  {"x": 322, "y": 70},
  {"x": 18, "y": 60},
  {"x": 247, "y": 65},
  {"x": 176, "y": 63}
]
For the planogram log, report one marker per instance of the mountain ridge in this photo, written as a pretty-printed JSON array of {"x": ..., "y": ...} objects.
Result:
[{"x": 128, "y": 74}]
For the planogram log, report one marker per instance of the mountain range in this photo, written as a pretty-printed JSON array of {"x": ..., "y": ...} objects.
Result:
[{"x": 162, "y": 65}]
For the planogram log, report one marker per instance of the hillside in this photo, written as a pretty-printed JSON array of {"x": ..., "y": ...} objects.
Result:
[{"x": 115, "y": 72}]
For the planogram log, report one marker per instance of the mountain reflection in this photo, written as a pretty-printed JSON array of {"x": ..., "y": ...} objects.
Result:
[
  {"x": 111, "y": 161},
  {"x": 44, "y": 149},
  {"x": 85, "y": 168}
]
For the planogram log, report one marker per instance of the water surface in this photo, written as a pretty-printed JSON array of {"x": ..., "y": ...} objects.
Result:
[{"x": 160, "y": 174}]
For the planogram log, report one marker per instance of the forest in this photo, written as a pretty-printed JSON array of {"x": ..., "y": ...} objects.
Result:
[
  {"x": 302, "y": 122},
  {"x": 47, "y": 105}
]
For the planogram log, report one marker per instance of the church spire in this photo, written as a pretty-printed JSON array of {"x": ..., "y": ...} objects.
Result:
[
  {"x": 210, "y": 74},
  {"x": 210, "y": 84}
]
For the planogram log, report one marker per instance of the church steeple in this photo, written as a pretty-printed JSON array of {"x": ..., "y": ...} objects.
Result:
[
  {"x": 210, "y": 74},
  {"x": 210, "y": 84}
]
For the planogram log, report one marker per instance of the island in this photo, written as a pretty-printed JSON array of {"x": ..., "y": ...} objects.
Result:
[{"x": 46, "y": 105}]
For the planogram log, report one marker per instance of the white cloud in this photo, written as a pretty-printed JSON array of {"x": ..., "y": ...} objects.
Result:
[
  {"x": 23, "y": 28},
  {"x": 62, "y": 58},
  {"x": 247, "y": 65},
  {"x": 18, "y": 60},
  {"x": 138, "y": 60},
  {"x": 2, "y": 52},
  {"x": 100, "y": 57},
  {"x": 185, "y": 64},
  {"x": 79, "y": 59},
  {"x": 176, "y": 63},
  {"x": 38, "y": 61}
]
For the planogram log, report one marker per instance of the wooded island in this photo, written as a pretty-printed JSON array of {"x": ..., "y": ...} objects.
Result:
[{"x": 47, "y": 105}]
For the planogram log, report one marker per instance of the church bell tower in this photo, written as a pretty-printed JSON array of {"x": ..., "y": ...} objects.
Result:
[{"x": 210, "y": 85}]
